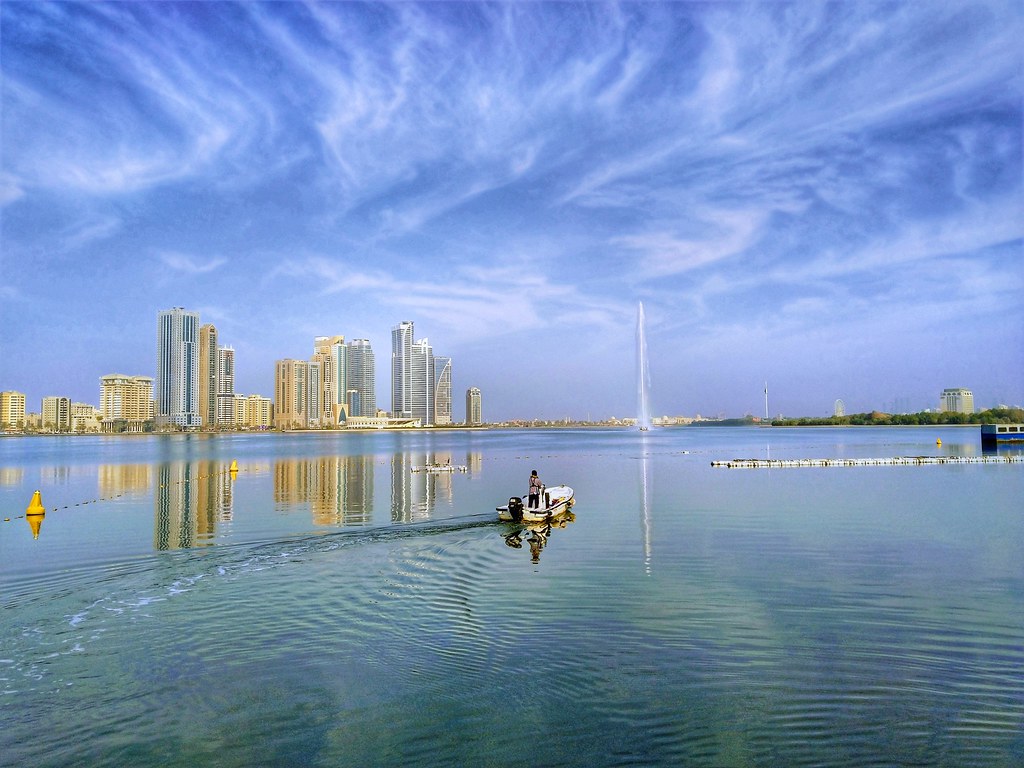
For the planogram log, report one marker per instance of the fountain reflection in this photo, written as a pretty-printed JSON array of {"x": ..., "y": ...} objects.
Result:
[
  {"x": 536, "y": 534},
  {"x": 645, "y": 513}
]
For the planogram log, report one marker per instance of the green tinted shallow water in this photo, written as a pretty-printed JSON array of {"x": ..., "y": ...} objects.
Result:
[{"x": 329, "y": 606}]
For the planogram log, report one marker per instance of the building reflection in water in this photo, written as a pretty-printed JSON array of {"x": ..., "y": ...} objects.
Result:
[
  {"x": 339, "y": 489},
  {"x": 11, "y": 476},
  {"x": 414, "y": 495},
  {"x": 119, "y": 479},
  {"x": 191, "y": 497}
]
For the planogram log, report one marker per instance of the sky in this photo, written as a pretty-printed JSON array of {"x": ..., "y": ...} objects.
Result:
[{"x": 825, "y": 198}]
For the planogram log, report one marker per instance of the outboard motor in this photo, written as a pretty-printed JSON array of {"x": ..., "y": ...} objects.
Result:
[{"x": 515, "y": 508}]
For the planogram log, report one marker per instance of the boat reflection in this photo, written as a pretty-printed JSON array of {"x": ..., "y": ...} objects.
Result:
[{"x": 535, "y": 535}]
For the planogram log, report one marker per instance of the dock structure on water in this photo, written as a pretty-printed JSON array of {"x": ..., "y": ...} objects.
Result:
[
  {"x": 993, "y": 435},
  {"x": 865, "y": 462}
]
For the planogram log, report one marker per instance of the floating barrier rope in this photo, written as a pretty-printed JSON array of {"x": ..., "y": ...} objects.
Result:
[
  {"x": 894, "y": 461},
  {"x": 36, "y": 510}
]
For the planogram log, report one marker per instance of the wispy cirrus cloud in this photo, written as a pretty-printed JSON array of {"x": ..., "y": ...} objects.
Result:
[
  {"x": 165, "y": 118},
  {"x": 755, "y": 172},
  {"x": 191, "y": 265}
]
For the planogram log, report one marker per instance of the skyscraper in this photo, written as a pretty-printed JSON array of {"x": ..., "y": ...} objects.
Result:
[
  {"x": 225, "y": 387},
  {"x": 177, "y": 368},
  {"x": 324, "y": 353},
  {"x": 401, "y": 369},
  {"x": 208, "y": 375},
  {"x": 421, "y": 382},
  {"x": 362, "y": 394},
  {"x": 474, "y": 407},
  {"x": 442, "y": 390},
  {"x": 339, "y": 368}
]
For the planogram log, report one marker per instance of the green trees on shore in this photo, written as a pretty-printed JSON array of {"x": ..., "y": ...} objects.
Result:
[{"x": 991, "y": 416}]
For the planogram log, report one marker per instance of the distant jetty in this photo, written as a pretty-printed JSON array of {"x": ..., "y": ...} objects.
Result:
[{"x": 894, "y": 461}]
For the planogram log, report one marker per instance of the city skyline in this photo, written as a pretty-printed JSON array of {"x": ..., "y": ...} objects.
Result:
[{"x": 827, "y": 197}]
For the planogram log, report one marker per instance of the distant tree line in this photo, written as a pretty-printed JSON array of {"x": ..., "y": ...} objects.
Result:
[{"x": 925, "y": 418}]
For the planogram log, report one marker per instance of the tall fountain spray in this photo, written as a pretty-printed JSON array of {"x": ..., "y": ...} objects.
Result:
[{"x": 643, "y": 418}]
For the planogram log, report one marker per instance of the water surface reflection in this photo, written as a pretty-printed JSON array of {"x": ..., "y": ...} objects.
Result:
[{"x": 192, "y": 498}]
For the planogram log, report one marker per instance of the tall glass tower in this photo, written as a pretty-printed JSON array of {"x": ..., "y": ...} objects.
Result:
[
  {"x": 401, "y": 369},
  {"x": 361, "y": 378},
  {"x": 442, "y": 390},
  {"x": 421, "y": 379},
  {"x": 177, "y": 368}
]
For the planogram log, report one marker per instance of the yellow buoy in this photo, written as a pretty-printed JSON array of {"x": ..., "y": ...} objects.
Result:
[
  {"x": 35, "y": 507},
  {"x": 233, "y": 472},
  {"x": 938, "y": 441},
  {"x": 34, "y": 513}
]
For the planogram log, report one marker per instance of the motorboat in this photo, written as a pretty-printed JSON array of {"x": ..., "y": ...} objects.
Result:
[{"x": 555, "y": 500}]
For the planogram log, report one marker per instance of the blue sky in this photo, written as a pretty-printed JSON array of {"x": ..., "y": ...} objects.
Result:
[{"x": 827, "y": 197}]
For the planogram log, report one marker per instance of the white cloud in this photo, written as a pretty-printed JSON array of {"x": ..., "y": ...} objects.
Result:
[{"x": 191, "y": 265}]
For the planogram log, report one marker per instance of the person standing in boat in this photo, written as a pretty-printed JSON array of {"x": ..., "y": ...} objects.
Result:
[{"x": 535, "y": 489}]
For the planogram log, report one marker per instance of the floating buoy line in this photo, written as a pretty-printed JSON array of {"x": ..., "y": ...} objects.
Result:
[
  {"x": 893, "y": 461},
  {"x": 35, "y": 512}
]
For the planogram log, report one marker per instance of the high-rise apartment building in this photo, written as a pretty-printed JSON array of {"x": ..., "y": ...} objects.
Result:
[
  {"x": 474, "y": 407},
  {"x": 260, "y": 412},
  {"x": 240, "y": 410},
  {"x": 56, "y": 413},
  {"x": 442, "y": 390},
  {"x": 12, "y": 409},
  {"x": 177, "y": 369},
  {"x": 957, "y": 401},
  {"x": 126, "y": 402},
  {"x": 401, "y": 370},
  {"x": 208, "y": 375},
  {"x": 362, "y": 372},
  {"x": 297, "y": 394},
  {"x": 331, "y": 385},
  {"x": 225, "y": 387},
  {"x": 339, "y": 368},
  {"x": 421, "y": 382}
]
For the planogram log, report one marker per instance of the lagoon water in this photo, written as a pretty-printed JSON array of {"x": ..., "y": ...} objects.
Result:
[{"x": 328, "y": 606}]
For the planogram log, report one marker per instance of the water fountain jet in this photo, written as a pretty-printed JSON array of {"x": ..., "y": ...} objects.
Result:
[{"x": 643, "y": 418}]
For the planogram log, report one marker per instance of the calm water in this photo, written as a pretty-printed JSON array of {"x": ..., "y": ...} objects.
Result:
[{"x": 329, "y": 606}]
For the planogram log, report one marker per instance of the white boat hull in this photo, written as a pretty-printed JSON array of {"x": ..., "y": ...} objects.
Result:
[{"x": 555, "y": 500}]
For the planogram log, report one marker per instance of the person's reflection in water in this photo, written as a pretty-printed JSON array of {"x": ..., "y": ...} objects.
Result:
[{"x": 537, "y": 541}]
